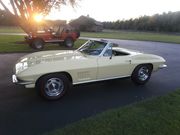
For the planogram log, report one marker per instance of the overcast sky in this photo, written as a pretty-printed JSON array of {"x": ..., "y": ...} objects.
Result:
[{"x": 112, "y": 10}]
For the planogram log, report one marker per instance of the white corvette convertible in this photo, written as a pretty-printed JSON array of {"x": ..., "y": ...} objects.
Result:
[{"x": 53, "y": 72}]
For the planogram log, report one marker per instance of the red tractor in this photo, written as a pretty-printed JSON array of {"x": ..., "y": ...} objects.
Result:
[{"x": 64, "y": 35}]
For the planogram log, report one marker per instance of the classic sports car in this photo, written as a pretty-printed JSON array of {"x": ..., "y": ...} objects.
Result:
[{"x": 53, "y": 72}]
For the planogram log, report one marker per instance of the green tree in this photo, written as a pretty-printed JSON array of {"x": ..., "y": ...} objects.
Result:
[
  {"x": 24, "y": 10},
  {"x": 166, "y": 22}
]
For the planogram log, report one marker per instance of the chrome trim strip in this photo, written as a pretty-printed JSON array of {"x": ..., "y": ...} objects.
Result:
[
  {"x": 101, "y": 79},
  {"x": 162, "y": 66},
  {"x": 25, "y": 83}
]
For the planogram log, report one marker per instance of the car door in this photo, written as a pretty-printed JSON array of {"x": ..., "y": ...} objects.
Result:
[
  {"x": 87, "y": 71},
  {"x": 114, "y": 67}
]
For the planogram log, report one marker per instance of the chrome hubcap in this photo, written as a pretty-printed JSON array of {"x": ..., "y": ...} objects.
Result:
[
  {"x": 143, "y": 73},
  {"x": 54, "y": 87}
]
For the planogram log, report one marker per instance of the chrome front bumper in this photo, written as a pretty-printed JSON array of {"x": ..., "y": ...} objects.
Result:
[
  {"x": 14, "y": 79},
  {"x": 162, "y": 66},
  {"x": 17, "y": 81}
]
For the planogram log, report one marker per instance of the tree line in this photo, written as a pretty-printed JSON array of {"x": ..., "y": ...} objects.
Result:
[{"x": 166, "y": 22}]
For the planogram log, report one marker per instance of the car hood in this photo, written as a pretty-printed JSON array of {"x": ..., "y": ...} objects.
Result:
[{"x": 51, "y": 56}]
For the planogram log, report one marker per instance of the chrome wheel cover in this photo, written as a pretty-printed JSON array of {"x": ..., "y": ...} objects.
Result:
[
  {"x": 143, "y": 73},
  {"x": 54, "y": 87}
]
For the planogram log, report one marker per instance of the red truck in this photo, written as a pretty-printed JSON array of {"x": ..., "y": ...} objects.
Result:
[{"x": 64, "y": 35}]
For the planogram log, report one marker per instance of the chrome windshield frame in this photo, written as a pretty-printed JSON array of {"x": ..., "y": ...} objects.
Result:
[
  {"x": 109, "y": 44},
  {"x": 83, "y": 45}
]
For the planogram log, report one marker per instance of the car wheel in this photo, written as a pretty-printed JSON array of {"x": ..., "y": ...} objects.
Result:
[
  {"x": 61, "y": 43},
  {"x": 38, "y": 44},
  {"x": 69, "y": 43},
  {"x": 141, "y": 74},
  {"x": 53, "y": 86},
  {"x": 30, "y": 45}
]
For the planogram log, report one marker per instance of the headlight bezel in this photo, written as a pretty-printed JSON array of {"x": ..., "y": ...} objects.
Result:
[{"x": 21, "y": 66}]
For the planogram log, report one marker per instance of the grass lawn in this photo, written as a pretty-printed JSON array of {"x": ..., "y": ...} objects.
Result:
[
  {"x": 128, "y": 35},
  {"x": 10, "y": 29},
  {"x": 15, "y": 44},
  {"x": 11, "y": 43},
  {"x": 158, "y": 116}
]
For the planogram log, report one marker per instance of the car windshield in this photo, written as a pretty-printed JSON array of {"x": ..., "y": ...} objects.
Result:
[{"x": 92, "y": 47}]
